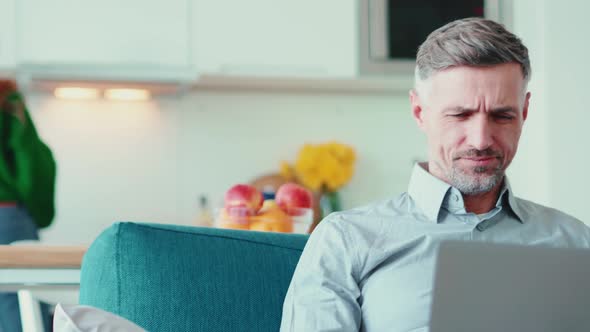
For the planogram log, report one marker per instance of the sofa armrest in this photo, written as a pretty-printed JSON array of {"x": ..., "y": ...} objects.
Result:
[{"x": 181, "y": 278}]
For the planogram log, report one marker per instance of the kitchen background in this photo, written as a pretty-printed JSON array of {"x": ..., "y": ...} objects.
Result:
[{"x": 149, "y": 161}]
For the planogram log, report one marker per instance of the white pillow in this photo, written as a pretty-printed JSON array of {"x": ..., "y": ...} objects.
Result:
[{"x": 81, "y": 318}]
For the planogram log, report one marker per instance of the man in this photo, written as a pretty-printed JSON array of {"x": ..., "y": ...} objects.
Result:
[{"x": 371, "y": 268}]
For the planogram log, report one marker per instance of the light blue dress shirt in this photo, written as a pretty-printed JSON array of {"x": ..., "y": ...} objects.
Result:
[{"x": 371, "y": 268}]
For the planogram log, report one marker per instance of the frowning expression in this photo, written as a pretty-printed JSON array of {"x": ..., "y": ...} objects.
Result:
[{"x": 473, "y": 118}]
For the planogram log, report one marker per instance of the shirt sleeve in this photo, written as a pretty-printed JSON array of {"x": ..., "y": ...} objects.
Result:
[{"x": 323, "y": 294}]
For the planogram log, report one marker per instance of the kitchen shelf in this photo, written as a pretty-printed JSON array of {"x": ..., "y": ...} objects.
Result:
[
  {"x": 365, "y": 85},
  {"x": 216, "y": 82}
]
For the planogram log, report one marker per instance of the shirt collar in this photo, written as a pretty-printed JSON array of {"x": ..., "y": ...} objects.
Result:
[
  {"x": 427, "y": 191},
  {"x": 512, "y": 203},
  {"x": 431, "y": 193}
]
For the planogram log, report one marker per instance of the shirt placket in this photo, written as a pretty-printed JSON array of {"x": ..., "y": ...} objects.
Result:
[{"x": 454, "y": 204}]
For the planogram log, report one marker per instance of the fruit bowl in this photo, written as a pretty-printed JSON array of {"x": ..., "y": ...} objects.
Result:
[
  {"x": 269, "y": 219},
  {"x": 302, "y": 219},
  {"x": 245, "y": 209}
]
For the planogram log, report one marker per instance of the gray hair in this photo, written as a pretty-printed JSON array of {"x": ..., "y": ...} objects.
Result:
[{"x": 470, "y": 42}]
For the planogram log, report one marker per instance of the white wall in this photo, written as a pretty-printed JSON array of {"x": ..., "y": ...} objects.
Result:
[
  {"x": 568, "y": 74},
  {"x": 552, "y": 164},
  {"x": 149, "y": 161}
]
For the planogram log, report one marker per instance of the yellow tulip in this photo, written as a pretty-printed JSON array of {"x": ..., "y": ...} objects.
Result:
[{"x": 328, "y": 165}]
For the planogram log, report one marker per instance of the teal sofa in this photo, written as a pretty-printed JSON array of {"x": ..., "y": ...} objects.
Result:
[{"x": 181, "y": 278}]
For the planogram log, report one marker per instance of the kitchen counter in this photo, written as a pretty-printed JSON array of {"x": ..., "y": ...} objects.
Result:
[
  {"x": 40, "y": 256},
  {"x": 40, "y": 273},
  {"x": 48, "y": 271}
]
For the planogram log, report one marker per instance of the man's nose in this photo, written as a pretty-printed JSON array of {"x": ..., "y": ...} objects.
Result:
[{"x": 480, "y": 133}]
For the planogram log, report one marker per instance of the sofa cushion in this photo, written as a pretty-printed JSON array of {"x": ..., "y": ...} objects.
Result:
[{"x": 181, "y": 278}]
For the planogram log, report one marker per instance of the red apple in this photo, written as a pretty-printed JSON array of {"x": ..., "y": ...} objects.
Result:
[
  {"x": 243, "y": 199},
  {"x": 291, "y": 197}
]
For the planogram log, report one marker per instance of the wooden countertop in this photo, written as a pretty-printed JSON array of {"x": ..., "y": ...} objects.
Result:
[{"x": 41, "y": 256}]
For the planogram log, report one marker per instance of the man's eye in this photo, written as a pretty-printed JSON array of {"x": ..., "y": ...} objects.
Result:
[
  {"x": 460, "y": 115},
  {"x": 504, "y": 117}
]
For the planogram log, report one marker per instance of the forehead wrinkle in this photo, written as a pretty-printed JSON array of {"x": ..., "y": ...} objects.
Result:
[{"x": 497, "y": 109}]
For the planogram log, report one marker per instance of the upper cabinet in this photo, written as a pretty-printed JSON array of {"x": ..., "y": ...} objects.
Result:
[
  {"x": 7, "y": 59},
  {"x": 134, "y": 32},
  {"x": 285, "y": 38},
  {"x": 269, "y": 38}
]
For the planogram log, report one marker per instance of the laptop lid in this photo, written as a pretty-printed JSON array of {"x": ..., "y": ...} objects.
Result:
[{"x": 497, "y": 287}]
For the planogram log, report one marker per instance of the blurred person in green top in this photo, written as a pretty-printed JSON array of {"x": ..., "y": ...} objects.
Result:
[{"x": 27, "y": 185}]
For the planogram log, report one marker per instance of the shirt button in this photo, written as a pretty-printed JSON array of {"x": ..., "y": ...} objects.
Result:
[{"x": 455, "y": 198}]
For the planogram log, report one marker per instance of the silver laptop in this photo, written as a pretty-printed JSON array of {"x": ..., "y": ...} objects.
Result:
[{"x": 490, "y": 287}]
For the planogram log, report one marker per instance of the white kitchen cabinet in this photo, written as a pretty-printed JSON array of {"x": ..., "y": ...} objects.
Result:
[
  {"x": 7, "y": 40},
  {"x": 285, "y": 38},
  {"x": 135, "y": 32}
]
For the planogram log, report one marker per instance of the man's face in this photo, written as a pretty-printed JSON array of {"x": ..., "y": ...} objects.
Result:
[{"x": 472, "y": 117}]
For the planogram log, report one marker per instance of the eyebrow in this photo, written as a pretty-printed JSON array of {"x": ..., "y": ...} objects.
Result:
[{"x": 501, "y": 109}]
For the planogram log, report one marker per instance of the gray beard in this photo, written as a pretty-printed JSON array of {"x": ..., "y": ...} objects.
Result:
[{"x": 478, "y": 182}]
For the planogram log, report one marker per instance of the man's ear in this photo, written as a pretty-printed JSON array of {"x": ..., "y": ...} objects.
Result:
[
  {"x": 417, "y": 110},
  {"x": 525, "y": 109}
]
